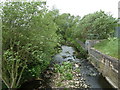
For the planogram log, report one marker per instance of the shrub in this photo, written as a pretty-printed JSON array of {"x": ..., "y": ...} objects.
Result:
[{"x": 29, "y": 39}]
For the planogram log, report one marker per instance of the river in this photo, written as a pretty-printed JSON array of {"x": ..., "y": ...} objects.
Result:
[
  {"x": 88, "y": 71},
  {"x": 90, "y": 74}
]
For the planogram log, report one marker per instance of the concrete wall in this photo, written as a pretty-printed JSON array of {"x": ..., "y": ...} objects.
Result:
[
  {"x": 117, "y": 32},
  {"x": 107, "y": 65},
  {"x": 91, "y": 43}
]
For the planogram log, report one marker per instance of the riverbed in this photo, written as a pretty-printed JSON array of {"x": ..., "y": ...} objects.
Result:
[
  {"x": 88, "y": 75},
  {"x": 92, "y": 77}
]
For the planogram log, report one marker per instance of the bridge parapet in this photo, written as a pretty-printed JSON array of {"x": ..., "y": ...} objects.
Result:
[{"x": 107, "y": 65}]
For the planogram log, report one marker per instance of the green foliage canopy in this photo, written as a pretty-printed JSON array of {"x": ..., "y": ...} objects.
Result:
[
  {"x": 29, "y": 41},
  {"x": 98, "y": 25}
]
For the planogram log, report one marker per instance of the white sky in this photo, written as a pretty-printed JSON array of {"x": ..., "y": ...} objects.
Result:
[{"x": 83, "y": 7}]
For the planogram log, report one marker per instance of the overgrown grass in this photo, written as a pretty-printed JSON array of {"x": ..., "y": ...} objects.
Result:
[{"x": 109, "y": 47}]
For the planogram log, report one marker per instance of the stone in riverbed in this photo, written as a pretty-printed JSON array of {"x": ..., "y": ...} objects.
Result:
[
  {"x": 77, "y": 82},
  {"x": 64, "y": 57},
  {"x": 92, "y": 74},
  {"x": 85, "y": 86},
  {"x": 70, "y": 60},
  {"x": 76, "y": 79},
  {"x": 78, "y": 75},
  {"x": 76, "y": 65}
]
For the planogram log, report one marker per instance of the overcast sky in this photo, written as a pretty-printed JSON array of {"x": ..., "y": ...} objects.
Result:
[{"x": 83, "y": 7}]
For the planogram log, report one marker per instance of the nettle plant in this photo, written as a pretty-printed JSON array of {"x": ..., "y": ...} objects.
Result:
[{"x": 65, "y": 69}]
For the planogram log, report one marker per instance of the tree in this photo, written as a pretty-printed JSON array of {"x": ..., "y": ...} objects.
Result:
[
  {"x": 29, "y": 39},
  {"x": 67, "y": 25},
  {"x": 98, "y": 25}
]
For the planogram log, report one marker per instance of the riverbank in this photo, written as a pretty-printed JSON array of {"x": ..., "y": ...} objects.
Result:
[
  {"x": 67, "y": 71},
  {"x": 85, "y": 75},
  {"x": 67, "y": 75}
]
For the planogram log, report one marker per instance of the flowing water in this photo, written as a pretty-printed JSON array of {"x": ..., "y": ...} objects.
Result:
[{"x": 91, "y": 75}]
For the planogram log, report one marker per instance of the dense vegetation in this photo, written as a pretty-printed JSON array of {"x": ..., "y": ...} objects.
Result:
[
  {"x": 29, "y": 41},
  {"x": 109, "y": 47},
  {"x": 32, "y": 34},
  {"x": 66, "y": 72},
  {"x": 98, "y": 25}
]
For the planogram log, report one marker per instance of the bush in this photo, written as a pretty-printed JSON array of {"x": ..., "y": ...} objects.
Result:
[
  {"x": 29, "y": 41},
  {"x": 65, "y": 70}
]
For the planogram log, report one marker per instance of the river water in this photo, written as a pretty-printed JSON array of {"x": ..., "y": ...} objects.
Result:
[
  {"x": 92, "y": 77},
  {"x": 89, "y": 72}
]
